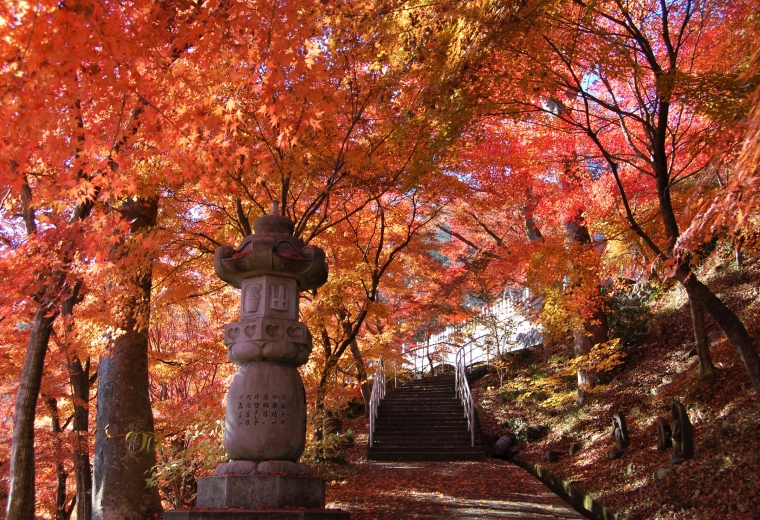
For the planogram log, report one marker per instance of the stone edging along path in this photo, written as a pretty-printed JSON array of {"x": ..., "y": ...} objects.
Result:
[{"x": 582, "y": 503}]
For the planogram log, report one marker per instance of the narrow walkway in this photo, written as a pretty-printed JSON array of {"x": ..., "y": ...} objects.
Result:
[{"x": 463, "y": 490}]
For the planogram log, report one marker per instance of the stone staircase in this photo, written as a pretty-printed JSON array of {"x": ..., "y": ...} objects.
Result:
[{"x": 424, "y": 420}]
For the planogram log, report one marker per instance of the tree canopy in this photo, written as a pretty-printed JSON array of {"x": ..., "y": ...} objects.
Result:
[{"x": 439, "y": 153}]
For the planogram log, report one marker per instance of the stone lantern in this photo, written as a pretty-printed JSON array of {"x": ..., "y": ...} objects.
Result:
[{"x": 265, "y": 423}]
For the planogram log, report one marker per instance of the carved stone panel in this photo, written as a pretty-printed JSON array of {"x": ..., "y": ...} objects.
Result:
[
  {"x": 279, "y": 297},
  {"x": 269, "y": 296},
  {"x": 252, "y": 298}
]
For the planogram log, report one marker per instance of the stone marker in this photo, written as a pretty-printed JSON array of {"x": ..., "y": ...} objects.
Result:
[
  {"x": 501, "y": 447},
  {"x": 663, "y": 434},
  {"x": 614, "y": 454},
  {"x": 662, "y": 473},
  {"x": 265, "y": 423},
  {"x": 553, "y": 456},
  {"x": 619, "y": 436},
  {"x": 620, "y": 431},
  {"x": 683, "y": 434}
]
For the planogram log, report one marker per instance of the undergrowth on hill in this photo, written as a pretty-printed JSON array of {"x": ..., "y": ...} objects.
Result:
[{"x": 723, "y": 478}]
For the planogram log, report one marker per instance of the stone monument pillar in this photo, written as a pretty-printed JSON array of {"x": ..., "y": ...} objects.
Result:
[{"x": 265, "y": 423}]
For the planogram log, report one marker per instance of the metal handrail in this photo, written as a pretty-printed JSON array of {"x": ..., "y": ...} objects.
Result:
[
  {"x": 378, "y": 392},
  {"x": 463, "y": 390},
  {"x": 461, "y": 363}
]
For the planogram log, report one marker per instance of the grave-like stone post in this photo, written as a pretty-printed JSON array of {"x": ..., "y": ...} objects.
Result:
[
  {"x": 664, "y": 435},
  {"x": 265, "y": 423},
  {"x": 683, "y": 434},
  {"x": 620, "y": 431},
  {"x": 619, "y": 435}
]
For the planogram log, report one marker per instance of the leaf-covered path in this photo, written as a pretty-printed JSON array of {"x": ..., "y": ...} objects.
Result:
[{"x": 435, "y": 490}]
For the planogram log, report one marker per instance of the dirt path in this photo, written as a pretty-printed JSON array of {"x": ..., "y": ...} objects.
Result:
[{"x": 434, "y": 490}]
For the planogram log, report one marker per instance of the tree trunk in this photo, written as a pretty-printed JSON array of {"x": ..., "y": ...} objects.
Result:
[
  {"x": 361, "y": 372},
  {"x": 706, "y": 367},
  {"x": 582, "y": 346},
  {"x": 61, "y": 511},
  {"x": 79, "y": 376},
  {"x": 727, "y": 320},
  {"x": 594, "y": 330},
  {"x": 121, "y": 467},
  {"x": 79, "y": 379},
  {"x": 319, "y": 404},
  {"x": 21, "y": 495}
]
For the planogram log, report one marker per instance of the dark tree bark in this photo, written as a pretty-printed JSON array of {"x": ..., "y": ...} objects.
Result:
[
  {"x": 361, "y": 372},
  {"x": 706, "y": 366},
  {"x": 79, "y": 377},
  {"x": 62, "y": 510},
  {"x": 120, "y": 468},
  {"x": 80, "y": 380},
  {"x": 21, "y": 498},
  {"x": 727, "y": 320}
]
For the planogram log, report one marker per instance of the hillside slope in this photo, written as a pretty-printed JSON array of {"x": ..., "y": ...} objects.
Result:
[{"x": 540, "y": 408}]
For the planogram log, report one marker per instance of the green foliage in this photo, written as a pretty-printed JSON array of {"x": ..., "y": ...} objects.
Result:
[
  {"x": 185, "y": 456},
  {"x": 138, "y": 441}
]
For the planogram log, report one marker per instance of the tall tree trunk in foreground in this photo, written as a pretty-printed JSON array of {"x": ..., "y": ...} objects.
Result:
[
  {"x": 21, "y": 497},
  {"x": 121, "y": 468}
]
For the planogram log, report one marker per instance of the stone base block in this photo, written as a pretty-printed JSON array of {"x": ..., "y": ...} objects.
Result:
[
  {"x": 271, "y": 467},
  {"x": 260, "y": 492},
  {"x": 269, "y": 514}
]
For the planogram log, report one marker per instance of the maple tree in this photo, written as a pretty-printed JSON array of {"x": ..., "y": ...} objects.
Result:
[
  {"x": 635, "y": 115},
  {"x": 136, "y": 142}
]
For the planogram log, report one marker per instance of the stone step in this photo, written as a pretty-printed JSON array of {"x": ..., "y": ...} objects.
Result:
[
  {"x": 379, "y": 440},
  {"x": 453, "y": 420},
  {"x": 426, "y": 449},
  {"x": 422, "y": 397},
  {"x": 421, "y": 446},
  {"x": 437, "y": 396},
  {"x": 416, "y": 416},
  {"x": 423, "y": 420},
  {"x": 421, "y": 431},
  {"x": 448, "y": 455},
  {"x": 422, "y": 410},
  {"x": 420, "y": 420},
  {"x": 402, "y": 428}
]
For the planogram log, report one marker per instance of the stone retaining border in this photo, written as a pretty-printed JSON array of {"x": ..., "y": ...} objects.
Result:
[{"x": 582, "y": 503}]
